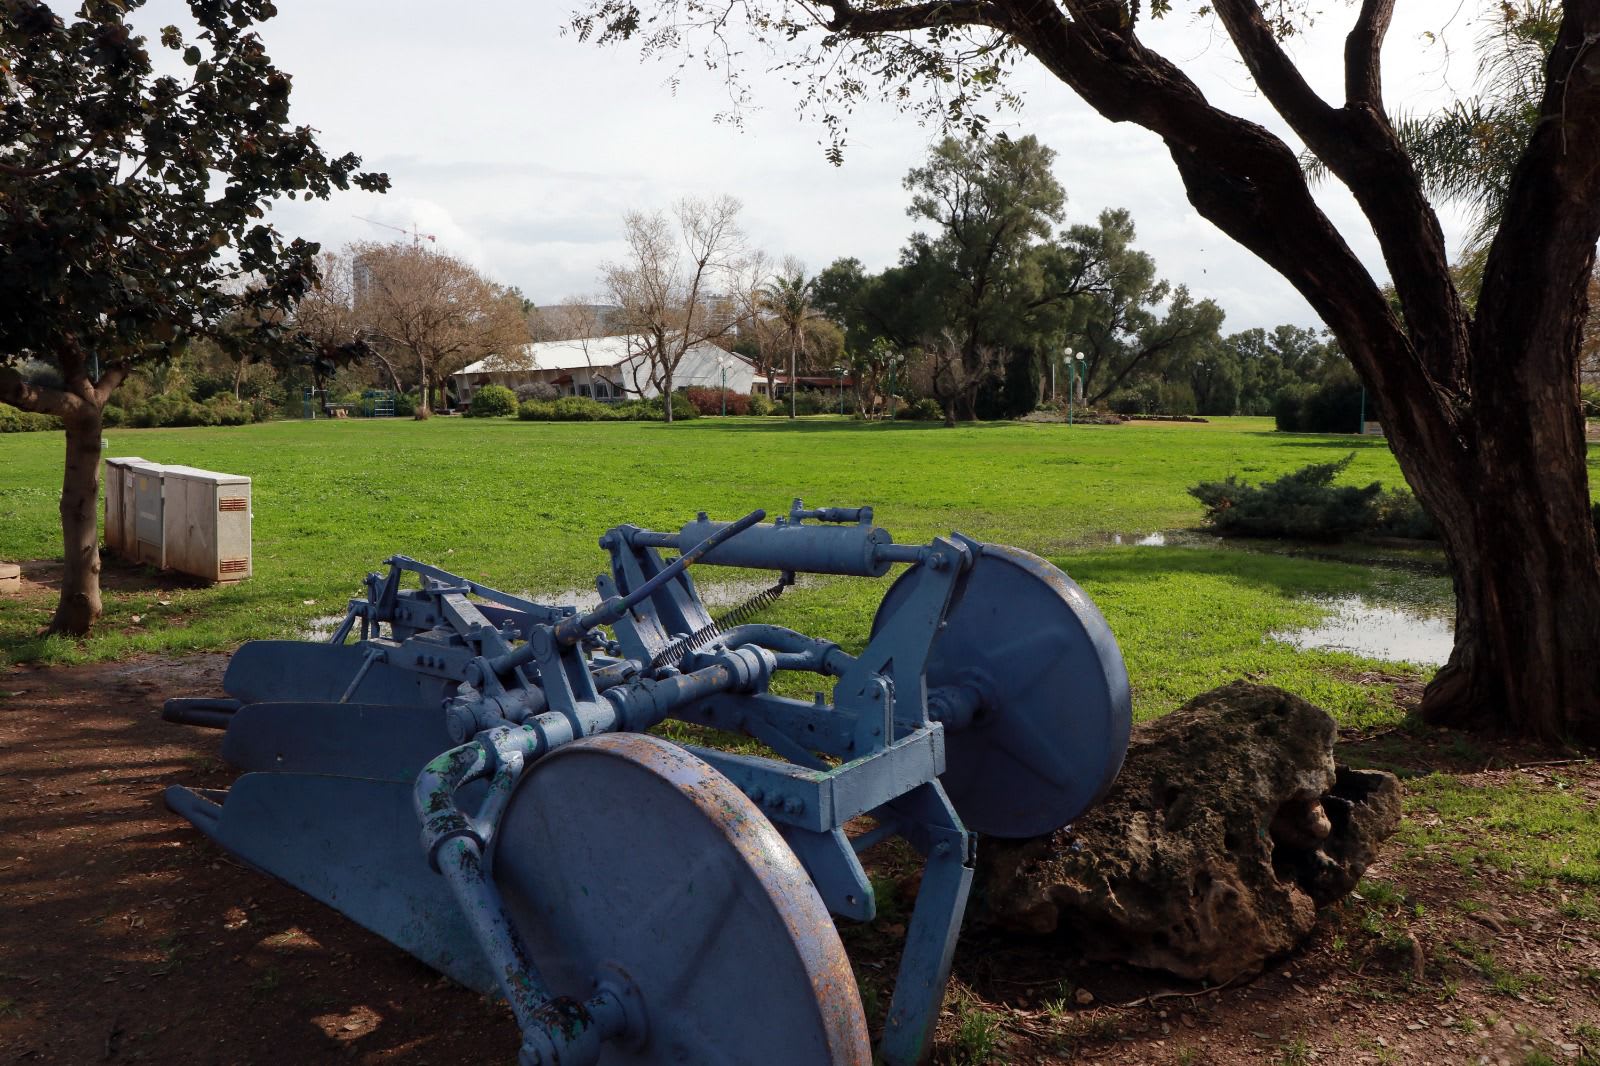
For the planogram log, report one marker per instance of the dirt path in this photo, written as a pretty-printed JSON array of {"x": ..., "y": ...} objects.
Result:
[{"x": 125, "y": 936}]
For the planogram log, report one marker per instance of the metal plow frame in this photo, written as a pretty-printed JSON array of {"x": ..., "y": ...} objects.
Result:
[{"x": 453, "y": 696}]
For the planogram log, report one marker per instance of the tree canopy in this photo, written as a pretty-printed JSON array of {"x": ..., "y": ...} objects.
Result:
[
  {"x": 132, "y": 216},
  {"x": 1480, "y": 401}
]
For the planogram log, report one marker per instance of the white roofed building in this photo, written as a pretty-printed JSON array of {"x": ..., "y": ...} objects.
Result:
[{"x": 604, "y": 368}]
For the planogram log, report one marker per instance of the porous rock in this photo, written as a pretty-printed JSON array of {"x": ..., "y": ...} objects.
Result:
[{"x": 1229, "y": 826}]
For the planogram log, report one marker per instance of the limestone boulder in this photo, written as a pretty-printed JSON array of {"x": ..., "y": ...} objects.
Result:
[{"x": 1229, "y": 826}]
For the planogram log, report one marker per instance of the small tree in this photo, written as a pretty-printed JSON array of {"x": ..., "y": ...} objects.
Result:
[
  {"x": 787, "y": 298},
  {"x": 131, "y": 210},
  {"x": 669, "y": 286}
]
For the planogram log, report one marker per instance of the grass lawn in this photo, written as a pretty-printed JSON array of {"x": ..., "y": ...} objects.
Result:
[{"x": 519, "y": 505}]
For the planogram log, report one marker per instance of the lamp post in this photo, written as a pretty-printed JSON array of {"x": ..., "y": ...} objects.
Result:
[
  {"x": 1069, "y": 353},
  {"x": 840, "y": 371},
  {"x": 1074, "y": 379},
  {"x": 724, "y": 367},
  {"x": 894, "y": 364}
]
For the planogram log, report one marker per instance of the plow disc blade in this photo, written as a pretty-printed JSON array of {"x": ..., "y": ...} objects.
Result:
[
  {"x": 267, "y": 671},
  {"x": 352, "y": 844},
  {"x": 361, "y": 740}
]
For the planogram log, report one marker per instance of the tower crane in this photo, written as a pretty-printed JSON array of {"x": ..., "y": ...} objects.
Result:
[{"x": 416, "y": 235}]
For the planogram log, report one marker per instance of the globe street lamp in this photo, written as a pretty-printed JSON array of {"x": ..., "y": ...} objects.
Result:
[
  {"x": 840, "y": 371},
  {"x": 1074, "y": 381}
]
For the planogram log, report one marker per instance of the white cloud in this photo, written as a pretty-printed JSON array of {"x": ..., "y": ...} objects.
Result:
[{"x": 520, "y": 147}]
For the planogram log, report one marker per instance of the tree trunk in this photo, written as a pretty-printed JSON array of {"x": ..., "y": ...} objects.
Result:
[
  {"x": 1515, "y": 517},
  {"x": 793, "y": 384},
  {"x": 666, "y": 397},
  {"x": 424, "y": 394},
  {"x": 80, "y": 542}
]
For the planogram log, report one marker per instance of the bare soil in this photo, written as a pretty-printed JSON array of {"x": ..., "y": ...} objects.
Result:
[{"x": 125, "y": 936}]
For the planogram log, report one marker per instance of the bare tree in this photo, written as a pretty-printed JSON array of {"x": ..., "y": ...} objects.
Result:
[
  {"x": 327, "y": 315},
  {"x": 433, "y": 309},
  {"x": 672, "y": 287},
  {"x": 574, "y": 318}
]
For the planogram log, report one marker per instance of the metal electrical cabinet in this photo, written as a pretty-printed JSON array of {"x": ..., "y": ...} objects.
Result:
[
  {"x": 206, "y": 523},
  {"x": 147, "y": 544},
  {"x": 119, "y": 503}
]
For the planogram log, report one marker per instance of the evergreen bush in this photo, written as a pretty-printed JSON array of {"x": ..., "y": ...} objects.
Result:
[
  {"x": 1304, "y": 505},
  {"x": 493, "y": 401}
]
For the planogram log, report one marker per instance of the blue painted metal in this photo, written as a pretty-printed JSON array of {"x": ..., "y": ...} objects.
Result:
[
  {"x": 1029, "y": 682},
  {"x": 612, "y": 886}
]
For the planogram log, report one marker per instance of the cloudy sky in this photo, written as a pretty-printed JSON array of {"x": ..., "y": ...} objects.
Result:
[{"x": 520, "y": 148}]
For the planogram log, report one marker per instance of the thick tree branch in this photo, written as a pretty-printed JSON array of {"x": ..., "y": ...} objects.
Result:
[
  {"x": 1363, "y": 73},
  {"x": 26, "y": 396},
  {"x": 110, "y": 378},
  {"x": 1360, "y": 148},
  {"x": 1552, "y": 212},
  {"x": 850, "y": 19}
]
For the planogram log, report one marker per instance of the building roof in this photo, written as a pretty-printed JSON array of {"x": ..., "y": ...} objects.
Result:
[
  {"x": 558, "y": 355},
  {"x": 598, "y": 352}
]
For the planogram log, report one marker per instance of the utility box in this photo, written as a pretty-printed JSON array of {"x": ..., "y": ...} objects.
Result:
[
  {"x": 119, "y": 503},
  {"x": 148, "y": 543},
  {"x": 206, "y": 523}
]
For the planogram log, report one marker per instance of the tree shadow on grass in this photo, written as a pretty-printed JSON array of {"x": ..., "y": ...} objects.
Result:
[
  {"x": 1319, "y": 440},
  {"x": 1285, "y": 574},
  {"x": 783, "y": 425}
]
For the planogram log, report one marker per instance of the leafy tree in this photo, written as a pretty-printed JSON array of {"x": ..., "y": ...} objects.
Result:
[
  {"x": 1121, "y": 329},
  {"x": 991, "y": 201},
  {"x": 131, "y": 219},
  {"x": 1481, "y": 407}
]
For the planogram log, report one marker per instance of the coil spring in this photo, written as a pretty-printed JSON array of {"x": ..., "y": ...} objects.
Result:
[{"x": 674, "y": 652}]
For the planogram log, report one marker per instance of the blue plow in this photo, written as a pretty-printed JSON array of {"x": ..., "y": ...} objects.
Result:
[{"x": 471, "y": 775}]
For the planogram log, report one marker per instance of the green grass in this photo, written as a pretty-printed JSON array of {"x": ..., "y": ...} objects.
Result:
[
  {"x": 519, "y": 505},
  {"x": 1541, "y": 835}
]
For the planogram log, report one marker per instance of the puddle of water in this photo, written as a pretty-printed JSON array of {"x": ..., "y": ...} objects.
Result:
[
  {"x": 321, "y": 627},
  {"x": 1168, "y": 538},
  {"x": 1377, "y": 631}
]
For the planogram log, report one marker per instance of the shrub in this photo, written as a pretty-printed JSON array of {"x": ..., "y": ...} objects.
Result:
[
  {"x": 168, "y": 411},
  {"x": 925, "y": 409},
  {"x": 493, "y": 401},
  {"x": 713, "y": 401},
  {"x": 682, "y": 409},
  {"x": 1330, "y": 408},
  {"x": 1396, "y": 513},
  {"x": 14, "y": 421},
  {"x": 1589, "y": 396},
  {"x": 760, "y": 405},
  {"x": 224, "y": 410},
  {"x": 584, "y": 409},
  {"x": 537, "y": 390},
  {"x": 405, "y": 404},
  {"x": 1305, "y": 505}
]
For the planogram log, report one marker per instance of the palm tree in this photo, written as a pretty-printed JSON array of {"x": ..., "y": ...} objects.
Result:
[{"x": 787, "y": 298}]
